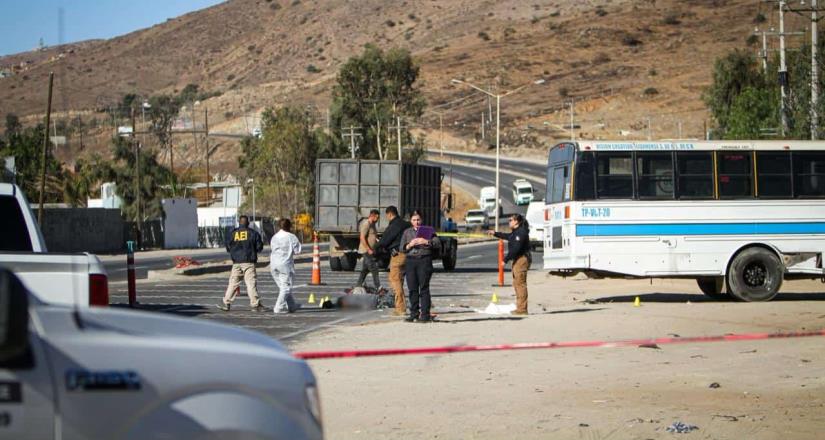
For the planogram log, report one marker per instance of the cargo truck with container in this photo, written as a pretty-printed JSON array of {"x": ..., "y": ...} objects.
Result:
[{"x": 347, "y": 189}]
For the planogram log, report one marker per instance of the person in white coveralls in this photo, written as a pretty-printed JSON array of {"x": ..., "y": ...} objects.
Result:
[{"x": 285, "y": 246}]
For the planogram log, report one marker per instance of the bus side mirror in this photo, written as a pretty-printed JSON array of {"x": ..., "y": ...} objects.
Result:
[
  {"x": 14, "y": 316},
  {"x": 450, "y": 202}
]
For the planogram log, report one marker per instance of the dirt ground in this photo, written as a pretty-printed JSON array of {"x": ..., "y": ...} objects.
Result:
[{"x": 767, "y": 389}]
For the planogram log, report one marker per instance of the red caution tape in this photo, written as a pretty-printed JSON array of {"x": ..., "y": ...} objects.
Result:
[{"x": 546, "y": 345}]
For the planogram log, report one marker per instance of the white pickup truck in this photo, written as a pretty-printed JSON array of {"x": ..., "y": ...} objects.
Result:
[
  {"x": 55, "y": 278},
  {"x": 89, "y": 373}
]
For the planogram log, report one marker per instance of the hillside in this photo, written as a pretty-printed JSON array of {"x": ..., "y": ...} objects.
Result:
[{"x": 622, "y": 62}]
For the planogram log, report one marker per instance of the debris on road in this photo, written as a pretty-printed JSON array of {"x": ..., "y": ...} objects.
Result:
[
  {"x": 681, "y": 428},
  {"x": 653, "y": 346},
  {"x": 715, "y": 385},
  {"x": 182, "y": 261},
  {"x": 728, "y": 418}
]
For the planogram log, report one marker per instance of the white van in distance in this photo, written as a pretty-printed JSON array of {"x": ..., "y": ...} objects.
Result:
[{"x": 522, "y": 192}]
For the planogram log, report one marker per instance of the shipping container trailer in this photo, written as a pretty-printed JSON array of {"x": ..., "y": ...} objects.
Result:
[{"x": 347, "y": 189}]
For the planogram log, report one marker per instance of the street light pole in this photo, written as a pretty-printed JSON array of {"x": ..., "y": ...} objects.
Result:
[
  {"x": 498, "y": 97},
  {"x": 498, "y": 154}
]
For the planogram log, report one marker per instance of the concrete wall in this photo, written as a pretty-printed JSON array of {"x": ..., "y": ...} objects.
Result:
[{"x": 94, "y": 230}]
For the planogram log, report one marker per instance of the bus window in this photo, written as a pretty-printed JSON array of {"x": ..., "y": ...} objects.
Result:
[
  {"x": 809, "y": 174},
  {"x": 735, "y": 174},
  {"x": 561, "y": 185},
  {"x": 773, "y": 174},
  {"x": 695, "y": 179},
  {"x": 585, "y": 176},
  {"x": 655, "y": 175},
  {"x": 614, "y": 175}
]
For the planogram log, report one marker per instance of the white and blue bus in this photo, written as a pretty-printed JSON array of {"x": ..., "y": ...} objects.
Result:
[{"x": 742, "y": 215}]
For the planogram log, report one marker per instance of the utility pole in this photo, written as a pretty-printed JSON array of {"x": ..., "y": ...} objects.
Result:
[
  {"x": 136, "y": 146},
  {"x": 572, "y": 127},
  {"x": 783, "y": 70},
  {"x": 441, "y": 131},
  {"x": 398, "y": 128},
  {"x": 814, "y": 75},
  {"x": 351, "y": 135},
  {"x": 482, "y": 125},
  {"x": 648, "y": 128},
  {"x": 206, "y": 141},
  {"x": 45, "y": 150}
]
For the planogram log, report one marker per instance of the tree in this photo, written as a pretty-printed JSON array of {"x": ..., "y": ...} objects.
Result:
[
  {"x": 282, "y": 162},
  {"x": 164, "y": 111},
  {"x": 732, "y": 74},
  {"x": 152, "y": 176},
  {"x": 86, "y": 179},
  {"x": 26, "y": 146},
  {"x": 752, "y": 111},
  {"x": 374, "y": 89}
]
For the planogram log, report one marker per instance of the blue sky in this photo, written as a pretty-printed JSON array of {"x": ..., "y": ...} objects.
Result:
[{"x": 24, "y": 22}]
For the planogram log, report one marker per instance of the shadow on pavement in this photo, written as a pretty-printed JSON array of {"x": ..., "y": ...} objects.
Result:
[
  {"x": 471, "y": 270},
  {"x": 556, "y": 312},
  {"x": 495, "y": 318},
  {"x": 188, "y": 310},
  {"x": 684, "y": 297}
]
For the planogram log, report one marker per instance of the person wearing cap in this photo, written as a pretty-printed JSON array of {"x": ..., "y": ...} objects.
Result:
[{"x": 243, "y": 246}]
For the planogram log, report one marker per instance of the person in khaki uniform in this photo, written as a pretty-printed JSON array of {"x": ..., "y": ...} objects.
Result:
[
  {"x": 389, "y": 243},
  {"x": 367, "y": 240},
  {"x": 518, "y": 251},
  {"x": 243, "y": 245}
]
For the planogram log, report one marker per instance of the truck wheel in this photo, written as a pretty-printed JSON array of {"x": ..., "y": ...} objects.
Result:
[
  {"x": 450, "y": 255},
  {"x": 712, "y": 287},
  {"x": 335, "y": 264},
  {"x": 349, "y": 261},
  {"x": 383, "y": 262},
  {"x": 755, "y": 275}
]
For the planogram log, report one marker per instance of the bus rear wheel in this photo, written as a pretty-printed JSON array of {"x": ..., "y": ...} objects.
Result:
[
  {"x": 712, "y": 287},
  {"x": 755, "y": 275}
]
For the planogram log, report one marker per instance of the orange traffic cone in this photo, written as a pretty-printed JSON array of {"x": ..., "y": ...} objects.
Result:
[{"x": 316, "y": 261}]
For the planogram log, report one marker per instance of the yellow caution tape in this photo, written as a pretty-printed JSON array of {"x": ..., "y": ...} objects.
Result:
[{"x": 463, "y": 235}]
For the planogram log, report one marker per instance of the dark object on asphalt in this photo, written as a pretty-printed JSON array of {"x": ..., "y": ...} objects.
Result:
[
  {"x": 715, "y": 385},
  {"x": 681, "y": 428},
  {"x": 583, "y": 425},
  {"x": 654, "y": 346},
  {"x": 366, "y": 298}
]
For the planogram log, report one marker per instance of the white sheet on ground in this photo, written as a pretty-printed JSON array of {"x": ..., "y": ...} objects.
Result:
[{"x": 497, "y": 309}]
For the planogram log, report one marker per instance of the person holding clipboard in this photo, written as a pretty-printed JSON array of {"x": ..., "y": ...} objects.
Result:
[{"x": 419, "y": 242}]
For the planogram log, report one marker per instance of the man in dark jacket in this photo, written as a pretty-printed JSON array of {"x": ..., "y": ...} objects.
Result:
[
  {"x": 243, "y": 245},
  {"x": 518, "y": 251},
  {"x": 389, "y": 243}
]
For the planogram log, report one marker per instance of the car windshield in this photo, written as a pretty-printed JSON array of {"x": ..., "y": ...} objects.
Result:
[
  {"x": 475, "y": 213},
  {"x": 525, "y": 190}
]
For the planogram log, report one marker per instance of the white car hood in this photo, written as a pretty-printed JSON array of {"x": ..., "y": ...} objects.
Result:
[{"x": 157, "y": 327}]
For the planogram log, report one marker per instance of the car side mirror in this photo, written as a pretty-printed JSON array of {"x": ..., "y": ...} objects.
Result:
[{"x": 14, "y": 316}]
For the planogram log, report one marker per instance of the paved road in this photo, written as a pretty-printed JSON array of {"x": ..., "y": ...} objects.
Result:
[
  {"x": 454, "y": 292},
  {"x": 158, "y": 260},
  {"x": 474, "y": 173}
]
